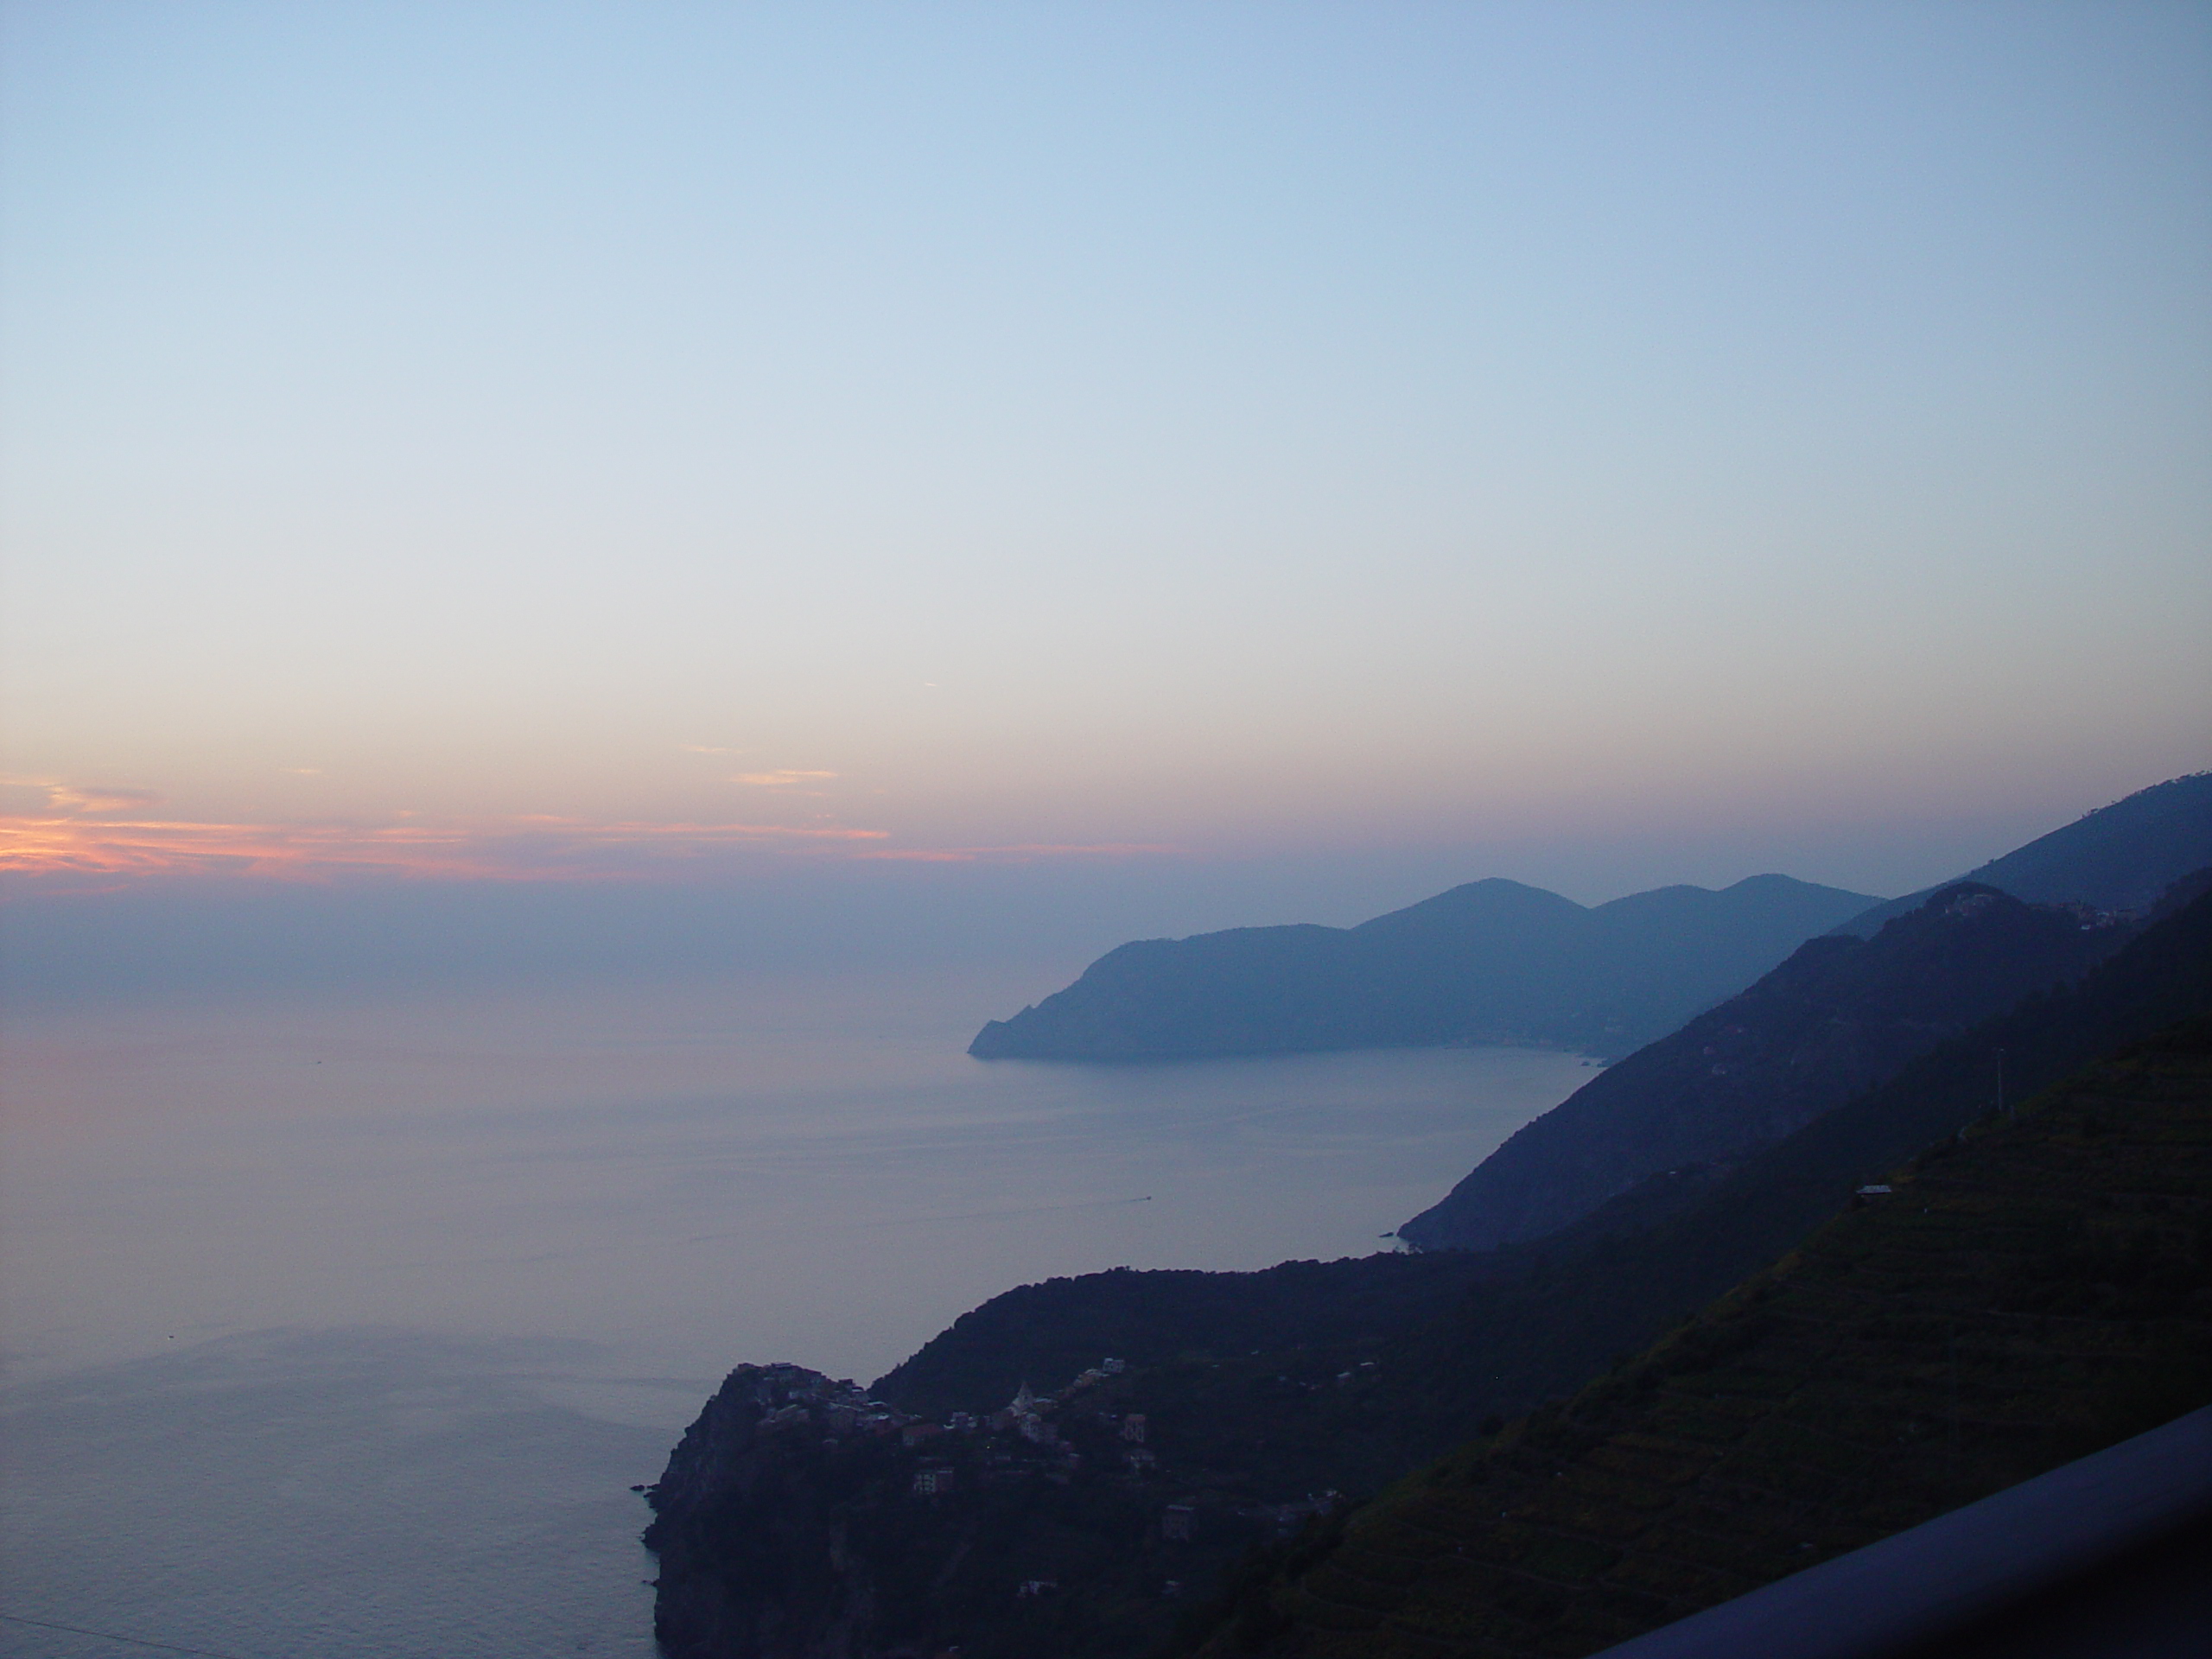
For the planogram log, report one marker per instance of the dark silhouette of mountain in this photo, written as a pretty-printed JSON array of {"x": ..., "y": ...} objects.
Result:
[
  {"x": 1839, "y": 1015},
  {"x": 1548, "y": 1315},
  {"x": 1511, "y": 1325},
  {"x": 1844, "y": 1011},
  {"x": 2025, "y": 1294},
  {"x": 2103, "y": 1553},
  {"x": 1262, "y": 1391},
  {"x": 2118, "y": 858},
  {"x": 1491, "y": 961}
]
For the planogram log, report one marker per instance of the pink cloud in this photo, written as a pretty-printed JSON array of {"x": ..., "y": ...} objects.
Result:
[
  {"x": 534, "y": 847},
  {"x": 77, "y": 836}
]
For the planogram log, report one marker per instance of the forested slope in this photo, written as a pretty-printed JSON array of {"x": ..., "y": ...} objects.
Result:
[
  {"x": 1840, "y": 1016},
  {"x": 2030, "y": 1291}
]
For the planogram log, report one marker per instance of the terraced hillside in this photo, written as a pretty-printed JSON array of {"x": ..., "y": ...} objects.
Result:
[{"x": 2029, "y": 1293}]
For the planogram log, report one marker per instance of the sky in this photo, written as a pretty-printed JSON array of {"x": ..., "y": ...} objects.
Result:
[{"x": 1257, "y": 462}]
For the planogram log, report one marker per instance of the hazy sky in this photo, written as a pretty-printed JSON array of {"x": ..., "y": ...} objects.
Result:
[{"x": 480, "y": 438}]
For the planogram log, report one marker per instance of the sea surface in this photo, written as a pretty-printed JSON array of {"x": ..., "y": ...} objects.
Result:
[{"x": 345, "y": 1327}]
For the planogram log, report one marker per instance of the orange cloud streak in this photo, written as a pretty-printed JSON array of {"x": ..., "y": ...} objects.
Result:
[{"x": 523, "y": 848}]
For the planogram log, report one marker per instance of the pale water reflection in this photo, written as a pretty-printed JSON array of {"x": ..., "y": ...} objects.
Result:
[
  {"x": 510, "y": 1245},
  {"x": 334, "y": 1492}
]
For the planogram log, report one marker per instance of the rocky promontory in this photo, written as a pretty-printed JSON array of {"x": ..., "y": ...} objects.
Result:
[{"x": 799, "y": 1518}]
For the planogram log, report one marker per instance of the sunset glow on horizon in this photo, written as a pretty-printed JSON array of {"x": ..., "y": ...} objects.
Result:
[
  {"x": 81, "y": 835},
  {"x": 500, "y": 443},
  {"x": 542, "y": 849}
]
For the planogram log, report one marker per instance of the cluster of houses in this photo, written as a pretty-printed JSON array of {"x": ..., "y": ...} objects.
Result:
[
  {"x": 969, "y": 1447},
  {"x": 797, "y": 1398},
  {"x": 1029, "y": 1417},
  {"x": 794, "y": 1400}
]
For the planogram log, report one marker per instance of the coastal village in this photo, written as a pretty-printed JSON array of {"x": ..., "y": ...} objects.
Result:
[{"x": 1083, "y": 1432}]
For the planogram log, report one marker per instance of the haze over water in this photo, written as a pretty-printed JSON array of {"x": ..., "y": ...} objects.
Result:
[{"x": 346, "y": 1324}]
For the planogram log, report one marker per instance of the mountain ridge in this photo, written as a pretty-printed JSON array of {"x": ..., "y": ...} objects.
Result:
[
  {"x": 1493, "y": 961},
  {"x": 2119, "y": 857},
  {"x": 1260, "y": 1391},
  {"x": 1839, "y": 1015}
]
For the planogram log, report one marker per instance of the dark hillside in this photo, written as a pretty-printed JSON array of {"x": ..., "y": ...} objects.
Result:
[
  {"x": 1491, "y": 961},
  {"x": 2118, "y": 858},
  {"x": 1840, "y": 1015},
  {"x": 1546, "y": 1316},
  {"x": 1041, "y": 1333},
  {"x": 2035, "y": 1290},
  {"x": 1259, "y": 1390},
  {"x": 1463, "y": 1334}
]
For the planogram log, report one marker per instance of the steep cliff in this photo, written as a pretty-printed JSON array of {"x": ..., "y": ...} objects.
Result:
[{"x": 798, "y": 1520}]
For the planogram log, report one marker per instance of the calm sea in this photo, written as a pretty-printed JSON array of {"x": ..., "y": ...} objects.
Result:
[{"x": 345, "y": 1329}]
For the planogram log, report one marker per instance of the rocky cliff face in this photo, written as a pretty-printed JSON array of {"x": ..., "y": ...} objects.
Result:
[
  {"x": 755, "y": 1557},
  {"x": 799, "y": 1519}
]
